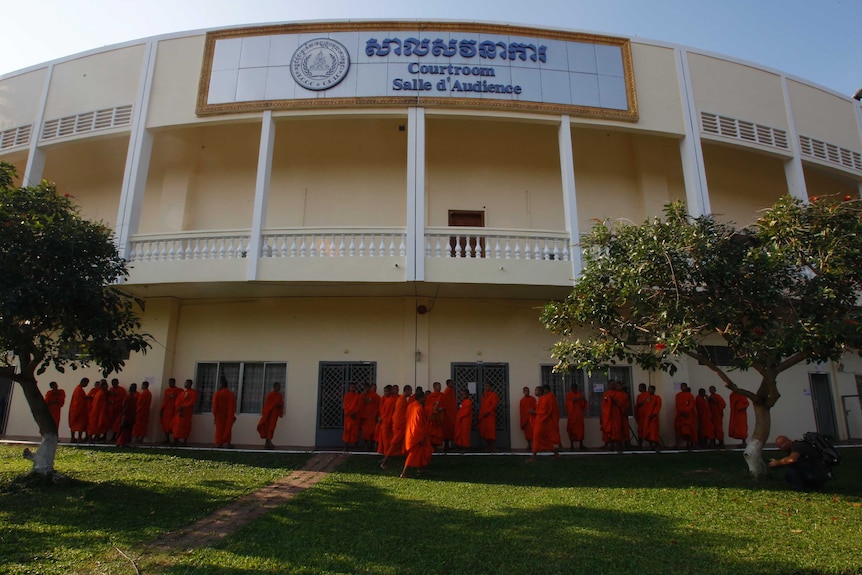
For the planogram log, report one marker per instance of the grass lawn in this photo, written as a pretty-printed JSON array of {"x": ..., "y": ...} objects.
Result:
[
  {"x": 117, "y": 499},
  {"x": 669, "y": 513}
]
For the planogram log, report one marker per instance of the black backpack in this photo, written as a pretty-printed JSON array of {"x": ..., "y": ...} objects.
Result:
[{"x": 828, "y": 453}]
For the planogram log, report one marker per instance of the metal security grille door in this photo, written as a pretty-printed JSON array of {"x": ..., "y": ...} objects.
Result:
[
  {"x": 497, "y": 375},
  {"x": 334, "y": 378}
]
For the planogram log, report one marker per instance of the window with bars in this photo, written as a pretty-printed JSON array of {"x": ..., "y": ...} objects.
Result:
[
  {"x": 250, "y": 381},
  {"x": 593, "y": 385}
]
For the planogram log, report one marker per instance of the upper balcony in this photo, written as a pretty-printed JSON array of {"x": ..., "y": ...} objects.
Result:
[{"x": 292, "y": 258}]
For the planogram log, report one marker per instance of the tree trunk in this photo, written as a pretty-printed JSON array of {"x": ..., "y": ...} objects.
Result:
[
  {"x": 43, "y": 458},
  {"x": 754, "y": 452}
]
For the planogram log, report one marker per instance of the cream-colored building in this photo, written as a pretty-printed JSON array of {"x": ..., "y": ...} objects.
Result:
[{"x": 393, "y": 202}]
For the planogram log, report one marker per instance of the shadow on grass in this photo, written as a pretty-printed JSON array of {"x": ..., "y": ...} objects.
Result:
[
  {"x": 350, "y": 527},
  {"x": 677, "y": 470}
]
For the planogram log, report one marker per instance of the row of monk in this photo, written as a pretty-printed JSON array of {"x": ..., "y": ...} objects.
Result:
[
  {"x": 118, "y": 415},
  {"x": 698, "y": 421}
]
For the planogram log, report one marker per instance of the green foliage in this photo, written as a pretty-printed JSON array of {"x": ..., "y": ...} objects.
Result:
[
  {"x": 57, "y": 286},
  {"x": 778, "y": 293}
]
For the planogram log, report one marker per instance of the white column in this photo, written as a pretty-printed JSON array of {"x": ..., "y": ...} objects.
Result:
[
  {"x": 137, "y": 157},
  {"x": 793, "y": 172},
  {"x": 416, "y": 194},
  {"x": 570, "y": 203},
  {"x": 691, "y": 153},
  {"x": 35, "y": 156},
  {"x": 261, "y": 192},
  {"x": 857, "y": 106}
]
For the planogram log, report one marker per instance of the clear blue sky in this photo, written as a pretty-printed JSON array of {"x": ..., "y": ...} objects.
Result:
[{"x": 818, "y": 40}]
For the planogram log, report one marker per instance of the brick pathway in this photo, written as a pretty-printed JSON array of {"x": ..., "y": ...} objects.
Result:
[{"x": 226, "y": 520}]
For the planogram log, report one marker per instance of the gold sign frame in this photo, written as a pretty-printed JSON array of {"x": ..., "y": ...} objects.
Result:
[{"x": 205, "y": 109}]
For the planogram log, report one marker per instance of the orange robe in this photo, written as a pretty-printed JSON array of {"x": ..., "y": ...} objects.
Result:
[
  {"x": 555, "y": 416},
  {"x": 370, "y": 411},
  {"x": 224, "y": 414},
  {"x": 55, "y": 400},
  {"x": 273, "y": 408},
  {"x": 463, "y": 424},
  {"x": 416, "y": 436},
  {"x": 169, "y": 408},
  {"x": 527, "y": 404},
  {"x": 384, "y": 433},
  {"x": 716, "y": 414},
  {"x": 622, "y": 403},
  {"x": 450, "y": 413},
  {"x": 185, "y": 409},
  {"x": 685, "y": 423},
  {"x": 399, "y": 426},
  {"x": 98, "y": 420},
  {"x": 142, "y": 413},
  {"x": 127, "y": 418},
  {"x": 352, "y": 406},
  {"x": 78, "y": 410},
  {"x": 704, "y": 417},
  {"x": 488, "y": 416},
  {"x": 652, "y": 410},
  {"x": 641, "y": 413},
  {"x": 575, "y": 405},
  {"x": 116, "y": 405},
  {"x": 435, "y": 411},
  {"x": 611, "y": 417},
  {"x": 543, "y": 423},
  {"x": 738, "y": 425}
]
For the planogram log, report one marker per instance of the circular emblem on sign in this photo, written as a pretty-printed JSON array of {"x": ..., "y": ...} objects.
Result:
[{"x": 319, "y": 64}]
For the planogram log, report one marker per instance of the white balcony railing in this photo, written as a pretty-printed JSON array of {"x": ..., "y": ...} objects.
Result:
[
  {"x": 183, "y": 246},
  {"x": 333, "y": 243},
  {"x": 352, "y": 243},
  {"x": 496, "y": 244}
]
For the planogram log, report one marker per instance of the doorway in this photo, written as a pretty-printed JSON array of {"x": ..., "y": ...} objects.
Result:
[
  {"x": 478, "y": 374},
  {"x": 466, "y": 246},
  {"x": 333, "y": 379},
  {"x": 824, "y": 407}
]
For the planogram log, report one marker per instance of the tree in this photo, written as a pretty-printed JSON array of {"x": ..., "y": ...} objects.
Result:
[
  {"x": 777, "y": 293},
  {"x": 58, "y": 275}
]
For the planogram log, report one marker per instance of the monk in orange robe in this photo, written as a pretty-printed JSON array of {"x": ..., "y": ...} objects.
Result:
[
  {"x": 116, "y": 404},
  {"x": 685, "y": 422},
  {"x": 435, "y": 411},
  {"x": 352, "y": 406},
  {"x": 127, "y": 415},
  {"x": 185, "y": 409},
  {"x": 544, "y": 422},
  {"x": 98, "y": 419},
  {"x": 56, "y": 399},
  {"x": 704, "y": 419},
  {"x": 224, "y": 414},
  {"x": 79, "y": 411},
  {"x": 416, "y": 441},
  {"x": 555, "y": 415},
  {"x": 622, "y": 404},
  {"x": 399, "y": 424},
  {"x": 738, "y": 425},
  {"x": 716, "y": 413},
  {"x": 526, "y": 409},
  {"x": 488, "y": 417},
  {"x": 369, "y": 415},
  {"x": 168, "y": 410},
  {"x": 384, "y": 426},
  {"x": 652, "y": 411},
  {"x": 610, "y": 419},
  {"x": 142, "y": 413},
  {"x": 273, "y": 409},
  {"x": 576, "y": 403},
  {"x": 464, "y": 421},
  {"x": 640, "y": 412},
  {"x": 450, "y": 413}
]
